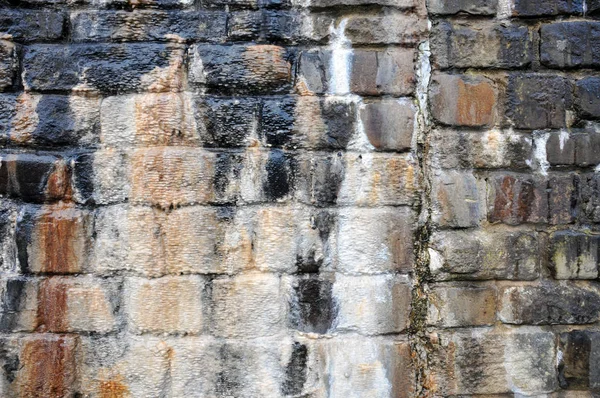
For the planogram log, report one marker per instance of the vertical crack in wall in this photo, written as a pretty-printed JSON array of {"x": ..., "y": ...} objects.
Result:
[{"x": 418, "y": 334}]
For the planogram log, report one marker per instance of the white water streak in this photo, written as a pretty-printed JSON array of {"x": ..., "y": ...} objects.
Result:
[{"x": 341, "y": 57}]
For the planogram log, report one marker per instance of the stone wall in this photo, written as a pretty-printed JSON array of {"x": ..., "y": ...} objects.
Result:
[{"x": 317, "y": 198}]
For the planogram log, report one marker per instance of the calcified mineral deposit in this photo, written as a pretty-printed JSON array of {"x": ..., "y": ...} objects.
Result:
[{"x": 299, "y": 198}]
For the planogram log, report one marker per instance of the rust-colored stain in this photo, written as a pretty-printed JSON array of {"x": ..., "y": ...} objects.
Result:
[
  {"x": 475, "y": 103},
  {"x": 52, "y": 305},
  {"x": 59, "y": 239},
  {"x": 267, "y": 62},
  {"x": 503, "y": 202},
  {"x": 48, "y": 368},
  {"x": 113, "y": 389},
  {"x": 58, "y": 185}
]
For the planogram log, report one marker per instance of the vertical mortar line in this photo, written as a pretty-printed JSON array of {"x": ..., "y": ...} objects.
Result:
[{"x": 418, "y": 339}]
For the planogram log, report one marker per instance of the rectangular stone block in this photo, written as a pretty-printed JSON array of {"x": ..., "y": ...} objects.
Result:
[
  {"x": 461, "y": 306},
  {"x": 227, "y": 122},
  {"x": 18, "y": 304},
  {"x": 492, "y": 149},
  {"x": 161, "y": 119},
  {"x": 369, "y": 72},
  {"x": 517, "y": 361},
  {"x": 259, "y": 69},
  {"x": 31, "y": 25},
  {"x": 9, "y": 264},
  {"x": 34, "y": 178},
  {"x": 54, "y": 239},
  {"x": 517, "y": 198},
  {"x": 579, "y": 360},
  {"x": 104, "y": 68},
  {"x": 482, "y": 255},
  {"x": 247, "y": 305},
  {"x": 40, "y": 365},
  {"x": 50, "y": 120},
  {"x": 112, "y": 366},
  {"x": 312, "y": 305},
  {"x": 589, "y": 198},
  {"x": 529, "y": 8},
  {"x": 267, "y": 26},
  {"x": 463, "y": 100},
  {"x": 101, "y": 177},
  {"x": 505, "y": 47},
  {"x": 372, "y": 305},
  {"x": 406, "y": 4},
  {"x": 474, "y": 7},
  {"x": 170, "y": 305},
  {"x": 177, "y": 26},
  {"x": 457, "y": 199},
  {"x": 389, "y": 124},
  {"x": 587, "y": 96},
  {"x": 549, "y": 304},
  {"x": 570, "y": 45},
  {"x": 9, "y": 64},
  {"x": 574, "y": 255},
  {"x": 524, "y": 108},
  {"x": 562, "y": 198},
  {"x": 81, "y": 304},
  {"x": 375, "y": 240},
  {"x": 390, "y": 28}
]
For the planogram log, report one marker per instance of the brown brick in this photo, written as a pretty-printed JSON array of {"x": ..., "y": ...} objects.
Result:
[
  {"x": 515, "y": 199},
  {"x": 389, "y": 124}
]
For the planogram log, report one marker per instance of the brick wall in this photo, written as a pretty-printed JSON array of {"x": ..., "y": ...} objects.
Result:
[{"x": 319, "y": 198}]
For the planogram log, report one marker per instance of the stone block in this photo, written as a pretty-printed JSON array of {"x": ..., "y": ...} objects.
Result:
[
  {"x": 574, "y": 255},
  {"x": 570, "y": 45},
  {"x": 389, "y": 124},
  {"x": 266, "y": 26},
  {"x": 483, "y": 255},
  {"x": 579, "y": 364},
  {"x": 227, "y": 122},
  {"x": 247, "y": 305},
  {"x": 259, "y": 69},
  {"x": 517, "y": 198},
  {"x": 9, "y": 64},
  {"x": 81, "y": 304},
  {"x": 172, "y": 304},
  {"x": 392, "y": 27},
  {"x": 121, "y": 26},
  {"x": 463, "y": 100},
  {"x": 506, "y": 47},
  {"x": 462, "y": 306},
  {"x": 31, "y": 25},
  {"x": 313, "y": 308},
  {"x": 475, "y": 7},
  {"x": 529, "y": 8},
  {"x": 588, "y": 96},
  {"x": 537, "y": 101},
  {"x": 549, "y": 304},
  {"x": 18, "y": 304},
  {"x": 104, "y": 68},
  {"x": 456, "y": 200},
  {"x": 34, "y": 178},
  {"x": 54, "y": 239}
]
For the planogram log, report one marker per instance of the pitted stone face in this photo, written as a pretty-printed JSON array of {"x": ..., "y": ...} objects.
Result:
[{"x": 299, "y": 198}]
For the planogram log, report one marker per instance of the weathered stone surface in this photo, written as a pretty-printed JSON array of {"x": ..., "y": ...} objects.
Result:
[
  {"x": 54, "y": 239},
  {"x": 165, "y": 305},
  {"x": 463, "y": 100},
  {"x": 528, "y": 8},
  {"x": 9, "y": 64},
  {"x": 517, "y": 198},
  {"x": 518, "y": 361},
  {"x": 389, "y": 27},
  {"x": 574, "y": 255},
  {"x": 475, "y": 7},
  {"x": 389, "y": 124},
  {"x": 460, "y": 306},
  {"x": 537, "y": 101},
  {"x": 371, "y": 72},
  {"x": 18, "y": 304},
  {"x": 571, "y": 45},
  {"x": 357, "y": 311},
  {"x": 227, "y": 122},
  {"x": 588, "y": 96},
  {"x": 505, "y": 47},
  {"x": 105, "y": 68},
  {"x": 388, "y": 3},
  {"x": 578, "y": 367},
  {"x": 81, "y": 304},
  {"x": 250, "y": 304},
  {"x": 258, "y": 69},
  {"x": 266, "y": 26},
  {"x": 31, "y": 25},
  {"x": 34, "y": 178},
  {"x": 177, "y": 26},
  {"x": 549, "y": 304},
  {"x": 492, "y": 149},
  {"x": 456, "y": 200},
  {"x": 479, "y": 255}
]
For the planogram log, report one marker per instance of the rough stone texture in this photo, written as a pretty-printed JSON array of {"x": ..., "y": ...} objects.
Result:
[{"x": 299, "y": 198}]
